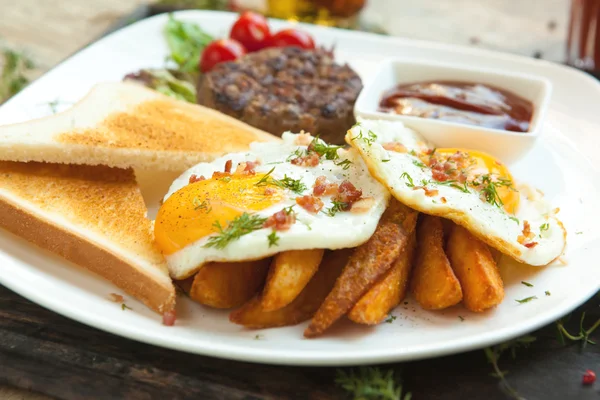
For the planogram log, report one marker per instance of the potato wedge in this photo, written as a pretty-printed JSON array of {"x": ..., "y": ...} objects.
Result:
[
  {"x": 475, "y": 269},
  {"x": 433, "y": 284},
  {"x": 228, "y": 284},
  {"x": 367, "y": 265},
  {"x": 289, "y": 273},
  {"x": 375, "y": 305},
  {"x": 251, "y": 315}
]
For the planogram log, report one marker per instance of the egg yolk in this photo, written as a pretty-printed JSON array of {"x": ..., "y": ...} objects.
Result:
[
  {"x": 193, "y": 211},
  {"x": 473, "y": 164}
]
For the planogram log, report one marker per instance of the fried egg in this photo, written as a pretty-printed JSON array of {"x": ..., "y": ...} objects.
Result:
[
  {"x": 466, "y": 186},
  {"x": 291, "y": 195}
]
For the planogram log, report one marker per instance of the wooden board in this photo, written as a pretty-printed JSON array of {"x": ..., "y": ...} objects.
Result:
[{"x": 48, "y": 353}]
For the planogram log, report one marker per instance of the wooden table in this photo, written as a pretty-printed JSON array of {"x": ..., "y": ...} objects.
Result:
[{"x": 49, "y": 31}]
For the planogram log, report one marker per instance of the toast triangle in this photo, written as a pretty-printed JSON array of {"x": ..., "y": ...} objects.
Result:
[
  {"x": 124, "y": 125},
  {"x": 94, "y": 216}
]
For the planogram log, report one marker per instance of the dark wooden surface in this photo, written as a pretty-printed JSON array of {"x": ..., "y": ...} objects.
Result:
[{"x": 48, "y": 353}]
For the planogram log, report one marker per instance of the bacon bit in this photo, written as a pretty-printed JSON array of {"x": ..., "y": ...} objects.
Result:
[
  {"x": 363, "y": 205},
  {"x": 527, "y": 230},
  {"x": 269, "y": 191},
  {"x": 348, "y": 194},
  {"x": 117, "y": 298},
  {"x": 530, "y": 245},
  {"x": 309, "y": 160},
  {"x": 395, "y": 146},
  {"x": 280, "y": 221},
  {"x": 322, "y": 188},
  {"x": 451, "y": 168},
  {"x": 169, "y": 318},
  {"x": 228, "y": 165},
  {"x": 250, "y": 166},
  {"x": 443, "y": 200},
  {"x": 194, "y": 178},
  {"x": 428, "y": 192},
  {"x": 303, "y": 139},
  {"x": 310, "y": 203},
  {"x": 219, "y": 174},
  {"x": 589, "y": 377}
]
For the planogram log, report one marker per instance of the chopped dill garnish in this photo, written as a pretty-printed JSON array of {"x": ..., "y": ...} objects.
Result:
[
  {"x": 544, "y": 227},
  {"x": 258, "y": 337},
  {"x": 391, "y": 319},
  {"x": 296, "y": 154},
  {"x": 295, "y": 185},
  {"x": 579, "y": 233},
  {"x": 336, "y": 207},
  {"x": 371, "y": 137},
  {"x": 452, "y": 183},
  {"x": 323, "y": 149},
  {"x": 240, "y": 226},
  {"x": 125, "y": 307},
  {"x": 204, "y": 206},
  {"x": 418, "y": 164},
  {"x": 225, "y": 179},
  {"x": 515, "y": 219},
  {"x": 273, "y": 239},
  {"x": 547, "y": 293},
  {"x": 461, "y": 318},
  {"x": 527, "y": 284},
  {"x": 386, "y": 160},
  {"x": 344, "y": 164},
  {"x": 488, "y": 188},
  {"x": 410, "y": 182},
  {"x": 289, "y": 210},
  {"x": 526, "y": 299}
]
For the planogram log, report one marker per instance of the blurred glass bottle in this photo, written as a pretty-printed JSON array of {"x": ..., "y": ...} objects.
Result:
[
  {"x": 340, "y": 13},
  {"x": 583, "y": 40}
]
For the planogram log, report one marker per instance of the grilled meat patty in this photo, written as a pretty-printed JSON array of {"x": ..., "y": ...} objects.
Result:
[{"x": 285, "y": 89}]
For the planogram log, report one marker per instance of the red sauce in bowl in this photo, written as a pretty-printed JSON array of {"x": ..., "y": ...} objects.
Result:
[{"x": 462, "y": 102}]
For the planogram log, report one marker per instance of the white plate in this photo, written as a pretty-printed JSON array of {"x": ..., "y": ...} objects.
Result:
[{"x": 559, "y": 165}]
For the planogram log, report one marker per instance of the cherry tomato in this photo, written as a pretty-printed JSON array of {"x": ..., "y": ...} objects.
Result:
[
  {"x": 251, "y": 30},
  {"x": 292, "y": 37},
  {"x": 219, "y": 51}
]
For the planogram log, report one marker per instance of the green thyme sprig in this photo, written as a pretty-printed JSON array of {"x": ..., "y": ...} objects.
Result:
[
  {"x": 584, "y": 334},
  {"x": 493, "y": 355},
  {"x": 370, "y": 383},
  {"x": 240, "y": 226}
]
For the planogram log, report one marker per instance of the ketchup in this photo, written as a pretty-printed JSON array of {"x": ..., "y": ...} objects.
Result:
[{"x": 462, "y": 102}]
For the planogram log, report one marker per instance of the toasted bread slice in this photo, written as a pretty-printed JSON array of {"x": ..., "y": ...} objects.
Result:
[
  {"x": 127, "y": 125},
  {"x": 92, "y": 215}
]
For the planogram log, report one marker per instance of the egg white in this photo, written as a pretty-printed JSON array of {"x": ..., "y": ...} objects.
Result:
[
  {"x": 344, "y": 229},
  {"x": 488, "y": 222}
]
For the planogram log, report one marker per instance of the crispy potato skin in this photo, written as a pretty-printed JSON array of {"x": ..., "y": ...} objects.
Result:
[
  {"x": 434, "y": 284},
  {"x": 251, "y": 315},
  {"x": 375, "y": 305},
  {"x": 367, "y": 265},
  {"x": 228, "y": 284},
  {"x": 289, "y": 273},
  {"x": 475, "y": 269}
]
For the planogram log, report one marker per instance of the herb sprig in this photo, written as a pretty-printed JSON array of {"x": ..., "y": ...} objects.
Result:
[
  {"x": 583, "y": 335},
  {"x": 493, "y": 355},
  {"x": 295, "y": 185},
  {"x": 240, "y": 226},
  {"x": 13, "y": 77},
  {"x": 370, "y": 383},
  {"x": 335, "y": 208},
  {"x": 488, "y": 188}
]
